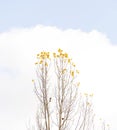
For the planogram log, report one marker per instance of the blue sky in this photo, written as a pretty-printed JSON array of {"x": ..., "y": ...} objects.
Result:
[{"x": 76, "y": 14}]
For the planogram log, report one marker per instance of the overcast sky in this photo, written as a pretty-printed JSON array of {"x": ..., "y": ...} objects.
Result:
[{"x": 86, "y": 30}]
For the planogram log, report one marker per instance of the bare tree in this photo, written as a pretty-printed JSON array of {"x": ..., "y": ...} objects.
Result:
[
  {"x": 66, "y": 89},
  {"x": 85, "y": 114},
  {"x": 60, "y": 104},
  {"x": 104, "y": 125},
  {"x": 42, "y": 91}
]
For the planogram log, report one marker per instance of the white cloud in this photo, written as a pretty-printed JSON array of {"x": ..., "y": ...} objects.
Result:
[{"x": 92, "y": 52}]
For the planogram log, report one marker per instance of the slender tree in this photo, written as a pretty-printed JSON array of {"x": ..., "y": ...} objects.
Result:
[
  {"x": 66, "y": 90},
  {"x": 85, "y": 114},
  {"x": 61, "y": 106},
  {"x": 42, "y": 91}
]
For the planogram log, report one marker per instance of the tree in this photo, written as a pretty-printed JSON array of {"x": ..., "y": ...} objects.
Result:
[
  {"x": 42, "y": 91},
  {"x": 85, "y": 114},
  {"x": 61, "y": 105}
]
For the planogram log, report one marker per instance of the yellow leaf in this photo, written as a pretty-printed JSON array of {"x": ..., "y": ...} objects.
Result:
[
  {"x": 78, "y": 84},
  {"x": 73, "y": 65},
  {"x": 72, "y": 73},
  {"x": 33, "y": 80},
  {"x": 37, "y": 54},
  {"x": 54, "y": 54},
  {"x": 46, "y": 64},
  {"x": 59, "y": 50},
  {"x": 66, "y": 55},
  {"x": 63, "y": 71},
  {"x": 69, "y": 60},
  {"x": 77, "y": 72},
  {"x": 40, "y": 62}
]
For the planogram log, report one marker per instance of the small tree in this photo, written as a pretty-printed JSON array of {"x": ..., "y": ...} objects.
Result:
[
  {"x": 42, "y": 91},
  {"x": 85, "y": 114},
  {"x": 66, "y": 89},
  {"x": 60, "y": 104}
]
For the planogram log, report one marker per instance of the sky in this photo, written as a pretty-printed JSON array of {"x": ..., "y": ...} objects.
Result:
[
  {"x": 84, "y": 29},
  {"x": 78, "y": 14}
]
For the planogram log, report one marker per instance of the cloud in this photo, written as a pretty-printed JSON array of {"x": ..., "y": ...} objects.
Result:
[{"x": 92, "y": 52}]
